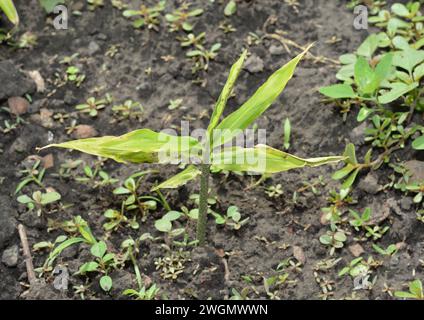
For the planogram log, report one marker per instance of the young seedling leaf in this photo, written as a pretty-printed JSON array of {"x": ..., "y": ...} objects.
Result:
[
  {"x": 98, "y": 249},
  {"x": 257, "y": 104},
  {"x": 417, "y": 144},
  {"x": 189, "y": 173},
  {"x": 106, "y": 283},
  {"x": 338, "y": 91}
]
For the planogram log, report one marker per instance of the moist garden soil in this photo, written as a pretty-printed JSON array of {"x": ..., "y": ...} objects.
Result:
[{"x": 278, "y": 228}]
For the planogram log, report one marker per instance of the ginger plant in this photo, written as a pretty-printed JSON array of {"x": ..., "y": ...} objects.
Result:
[{"x": 210, "y": 153}]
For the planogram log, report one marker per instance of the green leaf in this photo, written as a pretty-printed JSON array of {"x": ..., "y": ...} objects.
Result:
[
  {"x": 163, "y": 225},
  {"x": 88, "y": 267},
  {"x": 139, "y": 146},
  {"x": 50, "y": 197},
  {"x": 338, "y": 91},
  {"x": 230, "y": 8},
  {"x": 264, "y": 159},
  {"x": 62, "y": 246},
  {"x": 419, "y": 72},
  {"x": 9, "y": 10},
  {"x": 407, "y": 59},
  {"x": 350, "y": 153},
  {"x": 226, "y": 92},
  {"x": 366, "y": 79},
  {"x": 417, "y": 144},
  {"x": 24, "y": 199},
  {"x": 172, "y": 215},
  {"x": 397, "y": 90},
  {"x": 368, "y": 47},
  {"x": 416, "y": 287},
  {"x": 402, "y": 294},
  {"x": 189, "y": 173},
  {"x": 49, "y": 5},
  {"x": 400, "y": 10},
  {"x": 364, "y": 113},
  {"x": 257, "y": 104},
  {"x": 106, "y": 283},
  {"x": 340, "y": 174},
  {"x": 98, "y": 249}
]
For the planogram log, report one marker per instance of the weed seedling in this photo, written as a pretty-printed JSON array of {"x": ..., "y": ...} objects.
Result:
[
  {"x": 128, "y": 110},
  {"x": 334, "y": 239},
  {"x": 415, "y": 291},
  {"x": 143, "y": 294},
  {"x": 93, "y": 106},
  {"x": 34, "y": 174},
  {"x": 181, "y": 18},
  {"x": 39, "y": 200},
  {"x": 102, "y": 263},
  {"x": 116, "y": 218},
  {"x": 146, "y": 17},
  {"x": 231, "y": 219},
  {"x": 147, "y": 146},
  {"x": 74, "y": 75},
  {"x": 360, "y": 220}
]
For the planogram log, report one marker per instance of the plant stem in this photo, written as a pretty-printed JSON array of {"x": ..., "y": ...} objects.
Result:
[{"x": 203, "y": 204}]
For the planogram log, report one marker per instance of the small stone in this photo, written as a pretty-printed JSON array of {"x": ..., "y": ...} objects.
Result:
[
  {"x": 276, "y": 50},
  {"x": 299, "y": 254},
  {"x": 18, "y": 105},
  {"x": 84, "y": 131},
  {"x": 369, "y": 184},
  {"x": 406, "y": 203},
  {"x": 48, "y": 161},
  {"x": 10, "y": 256},
  {"x": 46, "y": 118},
  {"x": 93, "y": 48},
  {"x": 356, "y": 250},
  {"x": 254, "y": 64},
  {"x": 38, "y": 80}
]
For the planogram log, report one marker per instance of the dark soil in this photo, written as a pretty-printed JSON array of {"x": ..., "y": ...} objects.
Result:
[{"x": 276, "y": 225}]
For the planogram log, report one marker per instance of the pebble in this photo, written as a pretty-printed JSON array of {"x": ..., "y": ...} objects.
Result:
[
  {"x": 254, "y": 64},
  {"x": 10, "y": 256}
]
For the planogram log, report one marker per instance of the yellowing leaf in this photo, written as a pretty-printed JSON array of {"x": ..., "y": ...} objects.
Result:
[
  {"x": 139, "y": 146},
  {"x": 264, "y": 159}
]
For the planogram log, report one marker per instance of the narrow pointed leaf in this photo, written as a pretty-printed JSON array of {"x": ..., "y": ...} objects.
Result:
[
  {"x": 139, "y": 146},
  {"x": 9, "y": 10},
  {"x": 264, "y": 159},
  {"x": 179, "y": 179},
  {"x": 226, "y": 92},
  {"x": 257, "y": 104}
]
